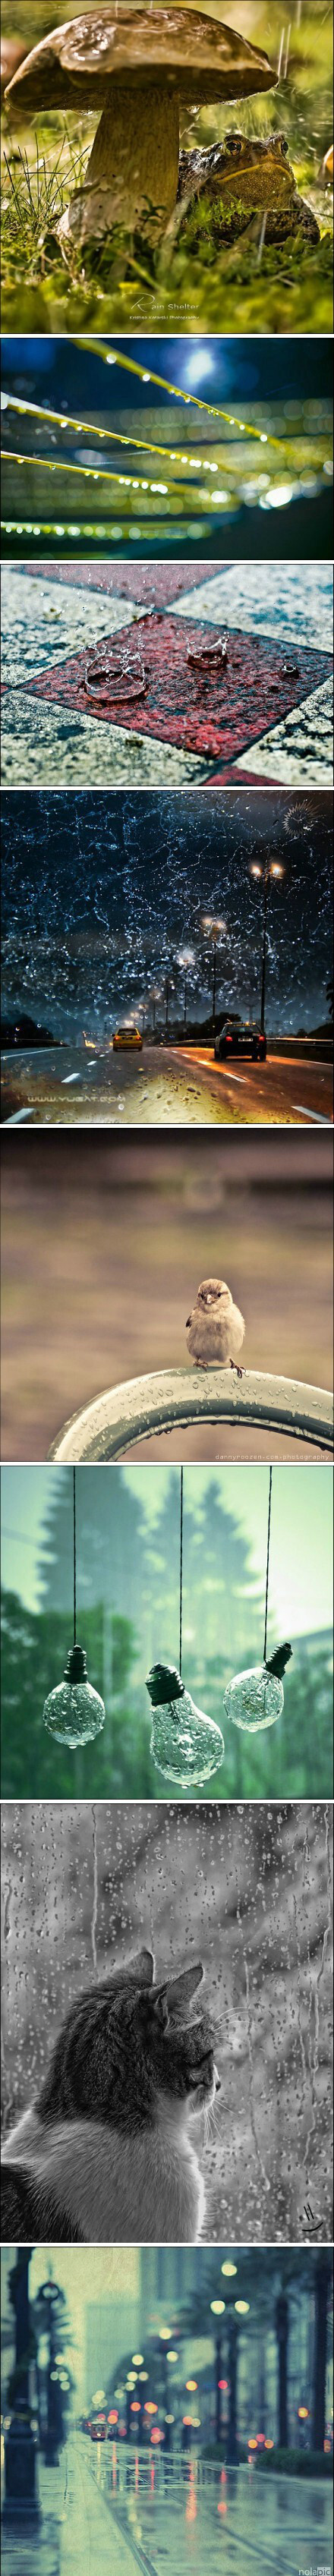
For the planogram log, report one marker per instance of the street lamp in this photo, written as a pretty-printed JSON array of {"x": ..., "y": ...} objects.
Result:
[
  {"x": 232, "y": 2308},
  {"x": 20, "y": 2497},
  {"x": 169, "y": 988},
  {"x": 185, "y": 959},
  {"x": 155, "y": 995},
  {"x": 214, "y": 930},
  {"x": 49, "y": 2303},
  {"x": 264, "y": 873}
]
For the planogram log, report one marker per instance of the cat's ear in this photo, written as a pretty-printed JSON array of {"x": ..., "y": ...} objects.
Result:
[
  {"x": 180, "y": 1992},
  {"x": 142, "y": 1967},
  {"x": 160, "y": 2008}
]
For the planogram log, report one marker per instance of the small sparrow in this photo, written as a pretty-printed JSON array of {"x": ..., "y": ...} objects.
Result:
[{"x": 215, "y": 1328}]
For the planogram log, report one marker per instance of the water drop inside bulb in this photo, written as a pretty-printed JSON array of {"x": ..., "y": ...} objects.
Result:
[
  {"x": 74, "y": 1712},
  {"x": 185, "y": 1745}
]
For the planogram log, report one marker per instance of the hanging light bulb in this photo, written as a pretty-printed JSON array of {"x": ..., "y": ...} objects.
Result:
[
  {"x": 74, "y": 1712},
  {"x": 185, "y": 1744},
  {"x": 255, "y": 1699}
]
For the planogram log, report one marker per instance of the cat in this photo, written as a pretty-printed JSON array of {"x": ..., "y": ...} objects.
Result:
[{"x": 105, "y": 2155}]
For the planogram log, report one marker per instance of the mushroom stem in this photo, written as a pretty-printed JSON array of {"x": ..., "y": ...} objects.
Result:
[{"x": 133, "y": 167}]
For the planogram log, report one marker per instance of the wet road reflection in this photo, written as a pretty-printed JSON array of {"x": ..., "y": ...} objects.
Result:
[
  {"x": 161, "y": 1086},
  {"x": 188, "y": 2514}
]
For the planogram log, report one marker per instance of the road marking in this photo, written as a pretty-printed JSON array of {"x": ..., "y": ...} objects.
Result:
[
  {"x": 70, "y": 1077},
  {"x": 235, "y": 1077},
  {"x": 17, "y": 1116},
  {"x": 314, "y": 1115}
]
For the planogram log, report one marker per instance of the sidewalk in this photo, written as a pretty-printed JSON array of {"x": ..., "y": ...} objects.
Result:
[
  {"x": 92, "y": 2542},
  {"x": 35, "y": 2550},
  {"x": 75, "y": 2535}
]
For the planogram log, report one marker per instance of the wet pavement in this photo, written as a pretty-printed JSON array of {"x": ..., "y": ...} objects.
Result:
[
  {"x": 188, "y": 2517},
  {"x": 162, "y": 1086},
  {"x": 112, "y": 2512},
  {"x": 106, "y": 2513},
  {"x": 29, "y": 2545},
  {"x": 266, "y": 713}
]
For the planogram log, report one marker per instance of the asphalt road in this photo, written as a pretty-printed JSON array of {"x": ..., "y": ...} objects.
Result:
[
  {"x": 162, "y": 1086},
  {"x": 284, "y": 1091}
]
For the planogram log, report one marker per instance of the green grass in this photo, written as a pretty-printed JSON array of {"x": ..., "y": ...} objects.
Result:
[{"x": 289, "y": 289}]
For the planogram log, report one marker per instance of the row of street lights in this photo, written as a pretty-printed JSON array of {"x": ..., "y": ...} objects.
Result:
[
  {"x": 265, "y": 872},
  {"x": 143, "y": 2410},
  {"x": 215, "y": 933}
]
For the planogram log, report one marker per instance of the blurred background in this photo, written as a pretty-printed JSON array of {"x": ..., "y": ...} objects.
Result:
[
  {"x": 104, "y": 1242},
  {"x": 245, "y": 1889},
  {"x": 244, "y": 495},
  {"x": 128, "y": 1531}
]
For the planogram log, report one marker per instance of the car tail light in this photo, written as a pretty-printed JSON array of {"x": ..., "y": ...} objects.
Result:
[{"x": 228, "y": 1039}]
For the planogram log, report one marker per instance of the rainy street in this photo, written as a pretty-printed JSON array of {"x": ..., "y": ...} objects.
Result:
[
  {"x": 182, "y": 1085},
  {"x": 106, "y": 2517},
  {"x": 193, "y": 2518}
]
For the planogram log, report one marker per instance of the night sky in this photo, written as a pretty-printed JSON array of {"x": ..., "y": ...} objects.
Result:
[{"x": 100, "y": 893}]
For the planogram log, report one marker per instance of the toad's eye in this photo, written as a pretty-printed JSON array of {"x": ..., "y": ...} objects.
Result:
[
  {"x": 233, "y": 145},
  {"x": 284, "y": 146}
]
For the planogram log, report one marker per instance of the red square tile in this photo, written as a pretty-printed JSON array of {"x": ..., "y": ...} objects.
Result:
[
  {"x": 208, "y": 712},
  {"x": 148, "y": 584}
]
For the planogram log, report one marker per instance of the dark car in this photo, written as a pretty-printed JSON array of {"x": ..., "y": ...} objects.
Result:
[{"x": 241, "y": 1038}]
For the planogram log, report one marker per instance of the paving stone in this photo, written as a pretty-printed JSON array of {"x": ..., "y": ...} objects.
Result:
[
  {"x": 292, "y": 601},
  {"x": 51, "y": 746},
  {"x": 255, "y": 717},
  {"x": 41, "y": 622}
]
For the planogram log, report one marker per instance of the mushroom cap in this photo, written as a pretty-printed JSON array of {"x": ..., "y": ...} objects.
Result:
[
  {"x": 204, "y": 61},
  {"x": 12, "y": 54}
]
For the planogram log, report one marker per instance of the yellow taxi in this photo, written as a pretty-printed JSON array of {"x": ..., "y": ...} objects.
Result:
[{"x": 128, "y": 1036}]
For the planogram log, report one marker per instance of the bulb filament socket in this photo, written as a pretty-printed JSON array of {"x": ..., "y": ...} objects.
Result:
[
  {"x": 163, "y": 1684},
  {"x": 76, "y": 1667}
]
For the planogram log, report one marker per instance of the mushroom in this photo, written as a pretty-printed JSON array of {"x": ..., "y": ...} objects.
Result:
[
  {"x": 12, "y": 54},
  {"x": 139, "y": 66}
]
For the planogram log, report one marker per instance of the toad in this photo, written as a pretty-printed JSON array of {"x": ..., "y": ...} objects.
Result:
[{"x": 236, "y": 181}]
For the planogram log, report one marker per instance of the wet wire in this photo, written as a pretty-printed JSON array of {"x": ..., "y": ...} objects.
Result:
[
  {"x": 181, "y": 1569},
  {"x": 74, "y": 1564},
  {"x": 267, "y": 1567}
]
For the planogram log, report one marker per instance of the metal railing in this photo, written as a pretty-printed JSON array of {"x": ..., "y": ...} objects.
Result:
[{"x": 173, "y": 1399}]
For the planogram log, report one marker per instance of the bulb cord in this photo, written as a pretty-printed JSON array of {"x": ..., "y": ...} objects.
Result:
[
  {"x": 74, "y": 1563},
  {"x": 267, "y": 1567},
  {"x": 181, "y": 1571}
]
